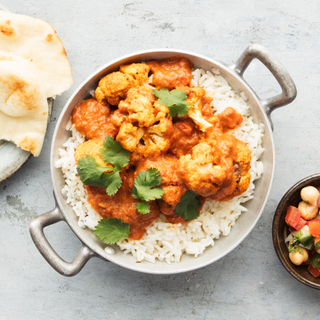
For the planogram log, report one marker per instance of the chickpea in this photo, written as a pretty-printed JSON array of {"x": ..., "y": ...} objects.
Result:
[
  {"x": 317, "y": 239},
  {"x": 297, "y": 258},
  {"x": 310, "y": 195},
  {"x": 308, "y": 211}
]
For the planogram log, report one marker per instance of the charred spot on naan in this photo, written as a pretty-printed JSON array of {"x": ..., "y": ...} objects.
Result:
[
  {"x": 29, "y": 144},
  {"x": 6, "y": 29},
  {"x": 49, "y": 37},
  {"x": 20, "y": 91}
]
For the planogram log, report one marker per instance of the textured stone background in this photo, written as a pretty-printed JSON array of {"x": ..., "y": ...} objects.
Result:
[{"x": 250, "y": 282}]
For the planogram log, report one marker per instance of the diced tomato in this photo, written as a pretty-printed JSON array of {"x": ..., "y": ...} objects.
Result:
[
  {"x": 314, "y": 271},
  {"x": 300, "y": 224},
  {"x": 293, "y": 216},
  {"x": 314, "y": 228},
  {"x": 313, "y": 220}
]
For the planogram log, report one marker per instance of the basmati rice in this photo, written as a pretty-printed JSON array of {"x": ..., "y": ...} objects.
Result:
[{"x": 163, "y": 240}]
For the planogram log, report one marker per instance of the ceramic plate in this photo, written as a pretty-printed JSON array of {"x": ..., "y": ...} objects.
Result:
[{"x": 12, "y": 157}]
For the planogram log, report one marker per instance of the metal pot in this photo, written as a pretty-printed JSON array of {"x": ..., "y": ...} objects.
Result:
[{"x": 260, "y": 110}]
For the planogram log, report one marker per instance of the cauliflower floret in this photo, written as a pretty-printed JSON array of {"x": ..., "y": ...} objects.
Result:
[
  {"x": 91, "y": 148},
  {"x": 129, "y": 136},
  {"x": 196, "y": 115},
  {"x": 243, "y": 159},
  {"x": 138, "y": 71},
  {"x": 114, "y": 87},
  {"x": 241, "y": 176},
  {"x": 157, "y": 138},
  {"x": 160, "y": 111},
  {"x": 139, "y": 106},
  {"x": 199, "y": 172},
  {"x": 147, "y": 141},
  {"x": 195, "y": 95},
  {"x": 118, "y": 118}
]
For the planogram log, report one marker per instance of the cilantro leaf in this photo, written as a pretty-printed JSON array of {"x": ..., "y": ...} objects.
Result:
[
  {"x": 91, "y": 173},
  {"x": 143, "y": 184},
  {"x": 315, "y": 260},
  {"x": 143, "y": 188},
  {"x": 188, "y": 206},
  {"x": 175, "y": 100},
  {"x": 143, "y": 207},
  {"x": 113, "y": 182},
  {"x": 113, "y": 152},
  {"x": 111, "y": 230}
]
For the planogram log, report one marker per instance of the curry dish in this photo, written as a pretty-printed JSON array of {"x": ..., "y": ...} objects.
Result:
[{"x": 193, "y": 152}]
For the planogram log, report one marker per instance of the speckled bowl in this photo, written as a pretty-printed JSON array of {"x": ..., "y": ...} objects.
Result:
[{"x": 280, "y": 231}]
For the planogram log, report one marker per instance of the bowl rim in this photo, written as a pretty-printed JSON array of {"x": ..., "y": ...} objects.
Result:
[
  {"x": 82, "y": 85},
  {"x": 275, "y": 228}
]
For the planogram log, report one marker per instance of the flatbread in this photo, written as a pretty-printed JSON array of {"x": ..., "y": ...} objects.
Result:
[
  {"x": 35, "y": 39},
  {"x": 23, "y": 103}
]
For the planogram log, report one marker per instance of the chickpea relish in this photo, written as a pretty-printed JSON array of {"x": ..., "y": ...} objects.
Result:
[{"x": 304, "y": 226}]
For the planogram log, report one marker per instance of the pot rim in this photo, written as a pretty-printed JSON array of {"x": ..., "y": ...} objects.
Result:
[
  {"x": 261, "y": 110},
  {"x": 168, "y": 51}
]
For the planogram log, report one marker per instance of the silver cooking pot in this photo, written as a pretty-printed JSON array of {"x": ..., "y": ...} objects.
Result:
[{"x": 260, "y": 110}]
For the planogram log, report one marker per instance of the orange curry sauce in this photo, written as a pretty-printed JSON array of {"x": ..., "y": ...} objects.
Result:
[{"x": 209, "y": 161}]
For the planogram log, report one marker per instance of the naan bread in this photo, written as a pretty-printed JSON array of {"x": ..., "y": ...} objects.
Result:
[
  {"x": 23, "y": 103},
  {"x": 35, "y": 39}
]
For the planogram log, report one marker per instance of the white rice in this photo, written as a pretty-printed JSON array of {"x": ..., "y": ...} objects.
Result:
[{"x": 162, "y": 240}]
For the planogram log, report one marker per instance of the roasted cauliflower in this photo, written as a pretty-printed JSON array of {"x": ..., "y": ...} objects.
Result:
[
  {"x": 129, "y": 136},
  {"x": 138, "y": 71},
  {"x": 114, "y": 87},
  {"x": 157, "y": 138},
  {"x": 139, "y": 106},
  {"x": 194, "y": 100},
  {"x": 199, "y": 172}
]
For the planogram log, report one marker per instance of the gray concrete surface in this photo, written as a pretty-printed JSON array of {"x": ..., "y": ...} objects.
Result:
[{"x": 250, "y": 282}]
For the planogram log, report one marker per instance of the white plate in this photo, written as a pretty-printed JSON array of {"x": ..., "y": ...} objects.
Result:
[{"x": 12, "y": 157}]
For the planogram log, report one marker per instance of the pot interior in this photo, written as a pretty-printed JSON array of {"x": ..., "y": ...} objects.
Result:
[{"x": 243, "y": 225}]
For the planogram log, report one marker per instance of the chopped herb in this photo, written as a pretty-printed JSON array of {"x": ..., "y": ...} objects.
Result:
[
  {"x": 144, "y": 188},
  {"x": 143, "y": 207},
  {"x": 294, "y": 247},
  {"x": 188, "y": 207},
  {"x": 93, "y": 174},
  {"x": 175, "y": 100},
  {"x": 112, "y": 230},
  {"x": 113, "y": 152},
  {"x": 315, "y": 260},
  {"x": 317, "y": 246}
]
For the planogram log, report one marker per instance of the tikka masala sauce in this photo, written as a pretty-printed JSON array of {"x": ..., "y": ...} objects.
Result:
[{"x": 97, "y": 119}]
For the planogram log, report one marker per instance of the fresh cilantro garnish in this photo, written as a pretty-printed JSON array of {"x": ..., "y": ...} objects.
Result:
[
  {"x": 143, "y": 188},
  {"x": 111, "y": 230},
  {"x": 175, "y": 100},
  {"x": 188, "y": 206},
  {"x": 143, "y": 207},
  {"x": 93, "y": 174},
  {"x": 113, "y": 152}
]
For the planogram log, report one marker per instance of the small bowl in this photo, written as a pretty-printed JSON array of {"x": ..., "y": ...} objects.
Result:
[{"x": 280, "y": 231}]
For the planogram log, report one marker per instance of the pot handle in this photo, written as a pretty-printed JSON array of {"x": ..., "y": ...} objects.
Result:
[
  {"x": 289, "y": 91},
  {"x": 65, "y": 268}
]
